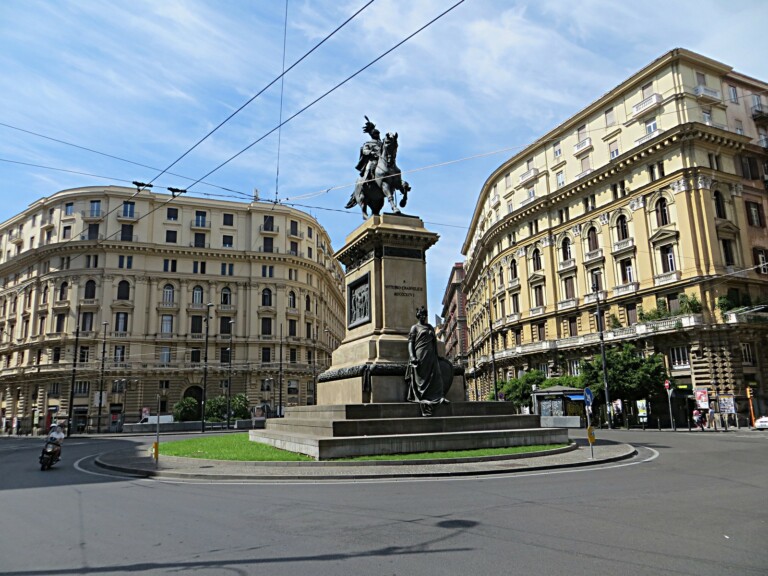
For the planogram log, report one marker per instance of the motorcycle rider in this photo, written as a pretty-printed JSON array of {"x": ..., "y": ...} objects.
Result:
[{"x": 56, "y": 437}]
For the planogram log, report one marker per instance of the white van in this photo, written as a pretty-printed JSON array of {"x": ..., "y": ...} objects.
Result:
[{"x": 164, "y": 419}]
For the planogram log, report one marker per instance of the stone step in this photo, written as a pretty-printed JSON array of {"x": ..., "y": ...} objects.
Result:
[
  {"x": 393, "y": 426},
  {"x": 398, "y": 410},
  {"x": 324, "y": 448}
]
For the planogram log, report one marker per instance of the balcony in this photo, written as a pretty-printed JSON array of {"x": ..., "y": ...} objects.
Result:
[
  {"x": 581, "y": 175},
  {"x": 167, "y": 305},
  {"x": 623, "y": 245},
  {"x": 296, "y": 253},
  {"x": 537, "y": 310},
  {"x": 92, "y": 237},
  {"x": 267, "y": 229},
  {"x": 495, "y": 200},
  {"x": 647, "y": 137},
  {"x": 194, "y": 244},
  {"x": 593, "y": 296},
  {"x": 89, "y": 302},
  {"x": 15, "y": 237},
  {"x": 165, "y": 335},
  {"x": 91, "y": 215},
  {"x": 567, "y": 304},
  {"x": 651, "y": 103},
  {"x": 514, "y": 317},
  {"x": 200, "y": 224},
  {"x": 268, "y": 250},
  {"x": 47, "y": 222},
  {"x": 706, "y": 94},
  {"x": 666, "y": 278},
  {"x": 127, "y": 238},
  {"x": 528, "y": 175},
  {"x": 566, "y": 265},
  {"x": 295, "y": 234},
  {"x": 526, "y": 201},
  {"x": 498, "y": 323},
  {"x": 733, "y": 271},
  {"x": 513, "y": 283},
  {"x": 763, "y": 141},
  {"x": 196, "y": 336},
  {"x": 593, "y": 256},
  {"x": 626, "y": 288},
  {"x": 574, "y": 341},
  {"x": 759, "y": 113},
  {"x": 583, "y": 146},
  {"x": 129, "y": 216},
  {"x": 716, "y": 125},
  {"x": 227, "y": 307}
]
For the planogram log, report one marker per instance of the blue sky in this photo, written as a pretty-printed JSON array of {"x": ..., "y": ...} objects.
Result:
[{"x": 145, "y": 79}]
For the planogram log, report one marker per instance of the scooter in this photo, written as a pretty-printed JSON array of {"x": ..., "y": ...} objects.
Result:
[{"x": 50, "y": 455}]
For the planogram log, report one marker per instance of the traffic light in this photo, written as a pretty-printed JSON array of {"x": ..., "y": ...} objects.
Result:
[{"x": 749, "y": 392}]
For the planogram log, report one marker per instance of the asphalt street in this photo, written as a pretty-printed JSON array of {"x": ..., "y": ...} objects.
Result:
[{"x": 688, "y": 503}]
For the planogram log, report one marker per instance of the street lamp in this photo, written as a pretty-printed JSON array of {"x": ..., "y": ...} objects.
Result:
[
  {"x": 205, "y": 363},
  {"x": 101, "y": 385},
  {"x": 229, "y": 382},
  {"x": 602, "y": 354}
]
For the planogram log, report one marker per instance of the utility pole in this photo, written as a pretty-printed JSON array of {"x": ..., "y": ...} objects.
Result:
[
  {"x": 280, "y": 383},
  {"x": 608, "y": 405},
  {"x": 74, "y": 373},
  {"x": 205, "y": 364},
  {"x": 101, "y": 385}
]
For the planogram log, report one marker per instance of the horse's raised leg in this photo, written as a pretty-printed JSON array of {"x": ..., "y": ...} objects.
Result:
[
  {"x": 404, "y": 189},
  {"x": 391, "y": 197}
]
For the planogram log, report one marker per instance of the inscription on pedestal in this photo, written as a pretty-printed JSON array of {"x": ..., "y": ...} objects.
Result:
[{"x": 404, "y": 291}]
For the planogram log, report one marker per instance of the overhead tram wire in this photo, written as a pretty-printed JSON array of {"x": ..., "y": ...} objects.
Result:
[
  {"x": 260, "y": 92},
  {"x": 328, "y": 92}
]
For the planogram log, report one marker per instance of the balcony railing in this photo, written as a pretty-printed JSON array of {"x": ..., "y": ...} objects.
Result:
[
  {"x": 537, "y": 310},
  {"x": 514, "y": 317},
  {"x": 666, "y": 278},
  {"x": 625, "y": 244},
  {"x": 128, "y": 216},
  {"x": 566, "y": 264},
  {"x": 200, "y": 223},
  {"x": 592, "y": 296},
  {"x": 513, "y": 283},
  {"x": 647, "y": 104},
  {"x": 194, "y": 244},
  {"x": 265, "y": 229},
  {"x": 528, "y": 175},
  {"x": 528, "y": 200},
  {"x": 593, "y": 255},
  {"x": 759, "y": 112},
  {"x": 625, "y": 288},
  {"x": 295, "y": 233},
  {"x": 706, "y": 93},
  {"x": 584, "y": 173},
  {"x": 583, "y": 146},
  {"x": 647, "y": 137},
  {"x": 91, "y": 214},
  {"x": 495, "y": 200},
  {"x": 566, "y": 304}
]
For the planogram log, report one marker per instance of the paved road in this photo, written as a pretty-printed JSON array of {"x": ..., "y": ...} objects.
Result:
[{"x": 689, "y": 503}]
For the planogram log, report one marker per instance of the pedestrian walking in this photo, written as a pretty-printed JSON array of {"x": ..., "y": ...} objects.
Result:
[{"x": 698, "y": 419}]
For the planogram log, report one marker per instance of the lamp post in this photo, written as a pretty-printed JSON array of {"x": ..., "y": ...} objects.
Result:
[
  {"x": 101, "y": 385},
  {"x": 205, "y": 363},
  {"x": 229, "y": 382},
  {"x": 74, "y": 373},
  {"x": 602, "y": 354}
]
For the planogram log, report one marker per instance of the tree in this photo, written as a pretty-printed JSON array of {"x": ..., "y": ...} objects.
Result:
[
  {"x": 630, "y": 376},
  {"x": 239, "y": 407},
  {"x": 216, "y": 409},
  {"x": 518, "y": 390},
  {"x": 186, "y": 409}
]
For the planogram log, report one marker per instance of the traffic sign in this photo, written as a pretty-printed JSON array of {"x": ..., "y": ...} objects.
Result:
[
  {"x": 589, "y": 398},
  {"x": 666, "y": 384},
  {"x": 590, "y": 435}
]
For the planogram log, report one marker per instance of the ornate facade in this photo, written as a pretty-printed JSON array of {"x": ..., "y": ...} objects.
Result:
[
  {"x": 116, "y": 299},
  {"x": 650, "y": 201}
]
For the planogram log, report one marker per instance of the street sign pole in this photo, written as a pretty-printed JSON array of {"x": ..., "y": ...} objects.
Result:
[{"x": 669, "y": 400}]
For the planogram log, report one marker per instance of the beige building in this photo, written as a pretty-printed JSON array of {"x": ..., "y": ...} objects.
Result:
[
  {"x": 160, "y": 283},
  {"x": 652, "y": 201}
]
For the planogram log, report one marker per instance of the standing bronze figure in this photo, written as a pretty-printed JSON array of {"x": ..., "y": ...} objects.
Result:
[
  {"x": 428, "y": 376},
  {"x": 379, "y": 173}
]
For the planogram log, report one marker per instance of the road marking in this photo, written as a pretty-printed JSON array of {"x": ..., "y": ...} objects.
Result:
[{"x": 122, "y": 475}]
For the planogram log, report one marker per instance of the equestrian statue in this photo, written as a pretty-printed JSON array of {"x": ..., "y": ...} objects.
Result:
[{"x": 379, "y": 174}]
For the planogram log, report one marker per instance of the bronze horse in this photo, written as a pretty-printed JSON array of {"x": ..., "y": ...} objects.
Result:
[{"x": 370, "y": 193}]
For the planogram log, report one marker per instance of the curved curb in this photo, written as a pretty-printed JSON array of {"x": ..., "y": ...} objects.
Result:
[{"x": 495, "y": 469}]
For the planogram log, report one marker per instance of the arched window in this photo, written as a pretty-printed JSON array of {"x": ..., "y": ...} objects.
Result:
[
  {"x": 501, "y": 276},
  {"x": 662, "y": 213},
  {"x": 592, "y": 239},
  {"x": 226, "y": 296},
  {"x": 197, "y": 295},
  {"x": 307, "y": 304},
  {"x": 44, "y": 297},
  {"x": 622, "y": 229},
  {"x": 123, "y": 290},
  {"x": 719, "y": 205},
  {"x": 266, "y": 297},
  {"x": 291, "y": 299},
  {"x": 90, "y": 290},
  {"x": 63, "y": 291},
  {"x": 566, "y": 249},
  {"x": 513, "y": 269},
  {"x": 536, "y": 257},
  {"x": 168, "y": 294}
]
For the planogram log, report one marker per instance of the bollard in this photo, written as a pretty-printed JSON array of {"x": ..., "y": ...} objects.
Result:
[{"x": 658, "y": 423}]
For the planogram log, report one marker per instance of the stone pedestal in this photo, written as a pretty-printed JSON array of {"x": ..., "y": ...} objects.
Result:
[{"x": 386, "y": 280}]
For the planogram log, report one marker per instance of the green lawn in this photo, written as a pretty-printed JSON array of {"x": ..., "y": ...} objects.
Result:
[{"x": 238, "y": 447}]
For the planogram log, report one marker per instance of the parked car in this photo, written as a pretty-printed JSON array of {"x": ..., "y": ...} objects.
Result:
[{"x": 761, "y": 423}]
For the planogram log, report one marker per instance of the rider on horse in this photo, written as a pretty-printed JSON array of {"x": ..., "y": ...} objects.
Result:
[{"x": 369, "y": 155}]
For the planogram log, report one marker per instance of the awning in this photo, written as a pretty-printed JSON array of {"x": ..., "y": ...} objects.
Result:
[{"x": 576, "y": 396}]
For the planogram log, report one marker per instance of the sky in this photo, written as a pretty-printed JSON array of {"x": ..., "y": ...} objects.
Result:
[{"x": 144, "y": 80}]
